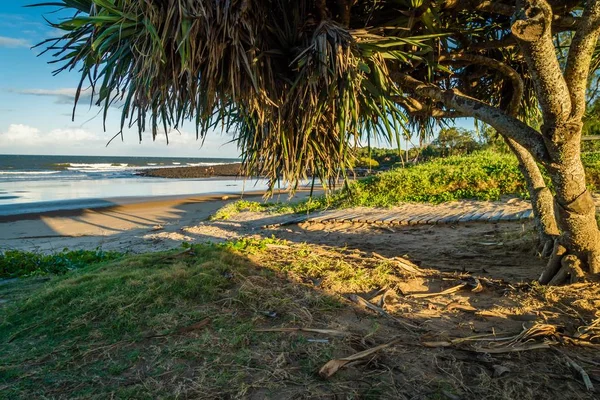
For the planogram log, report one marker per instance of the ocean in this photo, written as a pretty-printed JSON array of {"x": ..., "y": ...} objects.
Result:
[{"x": 44, "y": 183}]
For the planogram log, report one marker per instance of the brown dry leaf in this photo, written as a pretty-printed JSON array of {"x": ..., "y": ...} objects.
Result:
[
  {"x": 332, "y": 366},
  {"x": 332, "y": 332},
  {"x": 447, "y": 291},
  {"x": 512, "y": 349},
  {"x": 194, "y": 327}
]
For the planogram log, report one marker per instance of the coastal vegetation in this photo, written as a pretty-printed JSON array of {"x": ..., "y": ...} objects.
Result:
[
  {"x": 325, "y": 309},
  {"x": 481, "y": 175}
]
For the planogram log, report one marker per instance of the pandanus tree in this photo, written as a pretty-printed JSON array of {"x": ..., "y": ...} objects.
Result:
[{"x": 300, "y": 82}]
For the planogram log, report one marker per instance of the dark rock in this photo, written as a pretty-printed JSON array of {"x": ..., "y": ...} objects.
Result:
[{"x": 194, "y": 172}]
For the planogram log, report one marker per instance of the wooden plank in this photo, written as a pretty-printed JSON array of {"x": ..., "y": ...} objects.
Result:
[
  {"x": 509, "y": 216},
  {"x": 389, "y": 217},
  {"x": 441, "y": 216},
  {"x": 425, "y": 219},
  {"x": 452, "y": 217},
  {"x": 363, "y": 218},
  {"x": 415, "y": 218},
  {"x": 318, "y": 217},
  {"x": 406, "y": 214},
  {"x": 476, "y": 217},
  {"x": 400, "y": 219},
  {"x": 467, "y": 216},
  {"x": 398, "y": 216},
  {"x": 488, "y": 215},
  {"x": 377, "y": 217},
  {"x": 290, "y": 221},
  {"x": 497, "y": 215},
  {"x": 527, "y": 214},
  {"x": 434, "y": 218},
  {"x": 350, "y": 217},
  {"x": 327, "y": 215}
]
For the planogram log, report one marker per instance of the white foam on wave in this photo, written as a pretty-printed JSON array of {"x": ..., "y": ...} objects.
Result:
[{"x": 100, "y": 167}]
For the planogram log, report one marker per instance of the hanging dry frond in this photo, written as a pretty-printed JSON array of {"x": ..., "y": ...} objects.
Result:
[{"x": 298, "y": 93}]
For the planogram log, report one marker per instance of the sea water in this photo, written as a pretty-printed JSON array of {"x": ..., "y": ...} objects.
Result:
[{"x": 40, "y": 183}]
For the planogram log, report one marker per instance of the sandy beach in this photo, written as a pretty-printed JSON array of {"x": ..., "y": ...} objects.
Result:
[{"x": 148, "y": 224}]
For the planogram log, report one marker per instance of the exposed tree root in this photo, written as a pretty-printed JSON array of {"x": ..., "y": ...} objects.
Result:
[
  {"x": 546, "y": 246},
  {"x": 554, "y": 263},
  {"x": 567, "y": 268},
  {"x": 570, "y": 269}
]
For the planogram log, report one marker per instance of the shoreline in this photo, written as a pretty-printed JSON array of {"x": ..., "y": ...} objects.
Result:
[
  {"x": 70, "y": 207},
  {"x": 151, "y": 224}
]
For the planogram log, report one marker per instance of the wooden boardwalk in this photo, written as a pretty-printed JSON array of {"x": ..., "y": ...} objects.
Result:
[
  {"x": 464, "y": 211},
  {"x": 419, "y": 214}
]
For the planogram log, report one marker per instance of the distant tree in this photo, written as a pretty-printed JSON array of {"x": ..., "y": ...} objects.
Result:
[{"x": 455, "y": 141}]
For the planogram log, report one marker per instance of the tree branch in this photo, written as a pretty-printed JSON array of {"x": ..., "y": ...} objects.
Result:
[
  {"x": 322, "y": 9},
  {"x": 416, "y": 108},
  {"x": 495, "y": 7},
  {"x": 510, "y": 73},
  {"x": 501, "y": 121},
  {"x": 580, "y": 57},
  {"x": 344, "y": 11},
  {"x": 532, "y": 29}
]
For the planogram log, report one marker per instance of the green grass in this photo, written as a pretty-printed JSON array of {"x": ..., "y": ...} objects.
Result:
[
  {"x": 237, "y": 207},
  {"x": 114, "y": 328},
  {"x": 15, "y": 263},
  {"x": 230, "y": 210}
]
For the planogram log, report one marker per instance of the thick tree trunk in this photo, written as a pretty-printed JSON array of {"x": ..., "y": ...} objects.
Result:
[
  {"x": 575, "y": 208},
  {"x": 542, "y": 200}
]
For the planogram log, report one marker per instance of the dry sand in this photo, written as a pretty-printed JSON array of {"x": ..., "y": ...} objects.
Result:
[{"x": 147, "y": 226}]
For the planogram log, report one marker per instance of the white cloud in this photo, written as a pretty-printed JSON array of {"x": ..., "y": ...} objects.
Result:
[
  {"x": 13, "y": 42},
  {"x": 26, "y": 139},
  {"x": 20, "y": 135},
  {"x": 62, "y": 95}
]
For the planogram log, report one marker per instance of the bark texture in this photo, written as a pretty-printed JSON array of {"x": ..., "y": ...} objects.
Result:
[{"x": 542, "y": 200}]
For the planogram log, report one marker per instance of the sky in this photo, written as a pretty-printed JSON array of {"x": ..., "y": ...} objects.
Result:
[{"x": 36, "y": 107}]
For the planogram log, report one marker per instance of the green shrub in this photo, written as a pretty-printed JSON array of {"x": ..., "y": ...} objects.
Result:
[
  {"x": 237, "y": 207},
  {"x": 15, "y": 263},
  {"x": 482, "y": 175}
]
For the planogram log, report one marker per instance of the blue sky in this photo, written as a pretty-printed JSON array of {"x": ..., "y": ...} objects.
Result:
[{"x": 35, "y": 106}]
